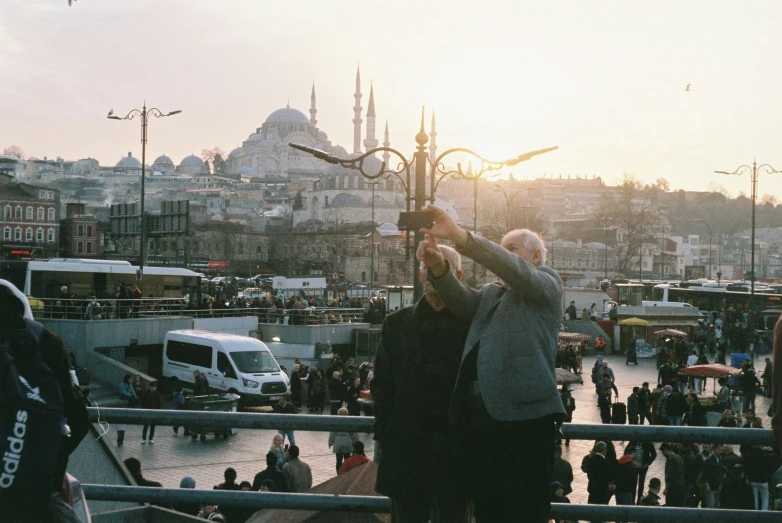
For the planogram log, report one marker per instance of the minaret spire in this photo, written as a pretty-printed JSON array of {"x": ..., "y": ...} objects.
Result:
[
  {"x": 357, "y": 114},
  {"x": 371, "y": 142},
  {"x": 386, "y": 143},
  {"x": 433, "y": 141},
  {"x": 313, "y": 110}
]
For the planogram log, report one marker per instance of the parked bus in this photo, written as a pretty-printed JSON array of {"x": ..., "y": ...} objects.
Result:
[
  {"x": 100, "y": 278},
  {"x": 715, "y": 298}
]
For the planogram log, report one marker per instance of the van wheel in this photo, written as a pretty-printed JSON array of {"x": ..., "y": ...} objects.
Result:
[{"x": 194, "y": 436}]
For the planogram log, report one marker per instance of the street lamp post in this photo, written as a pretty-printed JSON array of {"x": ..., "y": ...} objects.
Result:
[
  {"x": 416, "y": 189},
  {"x": 372, "y": 241},
  {"x": 508, "y": 201},
  {"x": 708, "y": 227},
  {"x": 753, "y": 171},
  {"x": 144, "y": 114}
]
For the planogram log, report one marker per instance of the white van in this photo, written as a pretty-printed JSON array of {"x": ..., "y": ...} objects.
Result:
[{"x": 232, "y": 363}]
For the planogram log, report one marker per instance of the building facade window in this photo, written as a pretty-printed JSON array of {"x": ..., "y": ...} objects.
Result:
[
  {"x": 80, "y": 230},
  {"x": 41, "y": 214},
  {"x": 89, "y": 231},
  {"x": 50, "y": 236},
  {"x": 39, "y": 234},
  {"x": 28, "y": 234},
  {"x": 18, "y": 213},
  {"x": 89, "y": 247},
  {"x": 50, "y": 214},
  {"x": 18, "y": 234},
  {"x": 8, "y": 212},
  {"x": 7, "y": 233},
  {"x": 29, "y": 213},
  {"x": 79, "y": 247}
]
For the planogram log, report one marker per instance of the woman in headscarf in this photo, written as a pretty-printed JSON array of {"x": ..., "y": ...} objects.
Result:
[{"x": 280, "y": 451}]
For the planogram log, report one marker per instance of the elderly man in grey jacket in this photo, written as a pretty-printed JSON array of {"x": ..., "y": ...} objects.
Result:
[{"x": 506, "y": 393}]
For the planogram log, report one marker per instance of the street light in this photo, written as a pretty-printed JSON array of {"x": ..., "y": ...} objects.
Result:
[
  {"x": 420, "y": 162},
  {"x": 708, "y": 227},
  {"x": 508, "y": 201},
  {"x": 753, "y": 171},
  {"x": 144, "y": 114},
  {"x": 372, "y": 241}
]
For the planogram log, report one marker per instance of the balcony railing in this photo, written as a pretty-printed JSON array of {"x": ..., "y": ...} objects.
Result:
[
  {"x": 379, "y": 504},
  {"x": 82, "y": 310}
]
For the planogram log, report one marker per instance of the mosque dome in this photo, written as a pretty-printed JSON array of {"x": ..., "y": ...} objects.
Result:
[
  {"x": 235, "y": 152},
  {"x": 246, "y": 171},
  {"x": 163, "y": 160},
  {"x": 287, "y": 115},
  {"x": 191, "y": 161},
  {"x": 128, "y": 162},
  {"x": 344, "y": 199}
]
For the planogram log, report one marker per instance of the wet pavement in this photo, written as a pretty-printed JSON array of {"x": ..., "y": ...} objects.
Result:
[{"x": 172, "y": 457}]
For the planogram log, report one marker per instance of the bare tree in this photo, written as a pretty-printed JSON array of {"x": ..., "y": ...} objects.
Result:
[{"x": 14, "y": 150}]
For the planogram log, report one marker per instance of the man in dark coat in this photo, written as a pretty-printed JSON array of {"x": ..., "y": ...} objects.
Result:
[
  {"x": 776, "y": 404},
  {"x": 604, "y": 402},
  {"x": 271, "y": 472},
  {"x": 200, "y": 383},
  {"x": 600, "y": 475},
  {"x": 415, "y": 373}
]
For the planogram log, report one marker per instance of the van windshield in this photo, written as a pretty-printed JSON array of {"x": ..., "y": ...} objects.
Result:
[{"x": 254, "y": 362}]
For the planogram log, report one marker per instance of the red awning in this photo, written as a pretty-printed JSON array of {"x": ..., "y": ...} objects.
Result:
[
  {"x": 712, "y": 370},
  {"x": 574, "y": 336}
]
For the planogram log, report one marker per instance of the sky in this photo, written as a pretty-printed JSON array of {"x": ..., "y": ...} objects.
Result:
[{"x": 603, "y": 80}]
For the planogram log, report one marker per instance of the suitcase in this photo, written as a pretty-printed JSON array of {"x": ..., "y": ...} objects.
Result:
[
  {"x": 83, "y": 375},
  {"x": 619, "y": 413}
]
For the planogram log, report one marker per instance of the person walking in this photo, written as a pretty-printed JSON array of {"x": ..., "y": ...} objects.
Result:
[
  {"x": 297, "y": 473},
  {"x": 200, "y": 383},
  {"x": 151, "y": 400},
  {"x": 644, "y": 455},
  {"x": 626, "y": 478},
  {"x": 569, "y": 403},
  {"x": 600, "y": 475},
  {"x": 284, "y": 406},
  {"x": 562, "y": 471},
  {"x": 632, "y": 406},
  {"x": 336, "y": 391},
  {"x": 514, "y": 332},
  {"x": 674, "y": 477},
  {"x": 341, "y": 443},
  {"x": 645, "y": 406}
]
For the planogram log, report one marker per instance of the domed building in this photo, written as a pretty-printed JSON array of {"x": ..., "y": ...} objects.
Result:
[
  {"x": 163, "y": 164},
  {"x": 191, "y": 165},
  {"x": 128, "y": 164},
  {"x": 331, "y": 193}
]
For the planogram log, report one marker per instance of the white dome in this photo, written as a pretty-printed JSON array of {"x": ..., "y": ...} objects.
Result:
[
  {"x": 256, "y": 137},
  {"x": 235, "y": 152},
  {"x": 246, "y": 171},
  {"x": 162, "y": 159},
  {"x": 339, "y": 151},
  {"x": 287, "y": 115},
  {"x": 128, "y": 162},
  {"x": 191, "y": 161}
]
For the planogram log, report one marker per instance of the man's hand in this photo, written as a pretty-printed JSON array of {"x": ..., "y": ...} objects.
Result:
[
  {"x": 445, "y": 227},
  {"x": 431, "y": 256}
]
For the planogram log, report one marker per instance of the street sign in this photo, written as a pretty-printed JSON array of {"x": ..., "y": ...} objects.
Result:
[{"x": 138, "y": 274}]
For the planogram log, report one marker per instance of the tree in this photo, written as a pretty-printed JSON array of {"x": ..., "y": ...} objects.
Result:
[
  {"x": 14, "y": 150},
  {"x": 218, "y": 165},
  {"x": 207, "y": 169},
  {"x": 298, "y": 203},
  {"x": 208, "y": 155}
]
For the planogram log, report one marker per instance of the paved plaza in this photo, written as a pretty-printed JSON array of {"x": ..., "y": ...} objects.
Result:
[{"x": 173, "y": 457}]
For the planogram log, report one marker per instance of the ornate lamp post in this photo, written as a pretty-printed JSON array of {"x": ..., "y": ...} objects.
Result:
[
  {"x": 416, "y": 188},
  {"x": 144, "y": 114},
  {"x": 753, "y": 172},
  {"x": 508, "y": 201},
  {"x": 372, "y": 241},
  {"x": 708, "y": 227}
]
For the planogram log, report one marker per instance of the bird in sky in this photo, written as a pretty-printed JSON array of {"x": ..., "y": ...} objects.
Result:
[
  {"x": 110, "y": 112},
  {"x": 688, "y": 87}
]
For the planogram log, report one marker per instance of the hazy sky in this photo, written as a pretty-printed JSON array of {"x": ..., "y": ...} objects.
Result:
[{"x": 604, "y": 80}]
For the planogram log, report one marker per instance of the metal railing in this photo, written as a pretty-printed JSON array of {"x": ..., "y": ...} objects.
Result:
[
  {"x": 376, "y": 504},
  {"x": 111, "y": 309}
]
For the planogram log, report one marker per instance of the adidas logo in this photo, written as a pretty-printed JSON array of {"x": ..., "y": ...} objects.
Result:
[
  {"x": 12, "y": 457},
  {"x": 34, "y": 393}
]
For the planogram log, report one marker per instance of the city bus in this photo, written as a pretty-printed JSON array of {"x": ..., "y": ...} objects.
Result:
[
  {"x": 101, "y": 278},
  {"x": 708, "y": 298}
]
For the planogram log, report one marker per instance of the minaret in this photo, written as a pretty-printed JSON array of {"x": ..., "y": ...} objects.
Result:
[
  {"x": 313, "y": 110},
  {"x": 371, "y": 142},
  {"x": 386, "y": 143},
  {"x": 357, "y": 114},
  {"x": 433, "y": 141}
]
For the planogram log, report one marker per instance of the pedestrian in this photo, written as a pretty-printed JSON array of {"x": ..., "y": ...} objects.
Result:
[
  {"x": 768, "y": 379},
  {"x": 696, "y": 414},
  {"x": 352, "y": 394},
  {"x": 562, "y": 471},
  {"x": 317, "y": 392},
  {"x": 569, "y": 403},
  {"x": 279, "y": 450},
  {"x": 272, "y": 473},
  {"x": 644, "y": 455},
  {"x": 297, "y": 473},
  {"x": 723, "y": 395},
  {"x": 336, "y": 391},
  {"x": 652, "y": 497},
  {"x": 600, "y": 475},
  {"x": 645, "y": 406},
  {"x": 514, "y": 332},
  {"x": 757, "y": 470},
  {"x": 626, "y": 478},
  {"x": 134, "y": 467},
  {"x": 358, "y": 458},
  {"x": 604, "y": 402},
  {"x": 284, "y": 406},
  {"x": 632, "y": 354},
  {"x": 151, "y": 400},
  {"x": 229, "y": 475},
  {"x": 632, "y": 406},
  {"x": 674, "y": 477},
  {"x": 178, "y": 403},
  {"x": 341, "y": 443},
  {"x": 749, "y": 387},
  {"x": 200, "y": 383},
  {"x": 736, "y": 491},
  {"x": 557, "y": 495},
  {"x": 676, "y": 406},
  {"x": 127, "y": 392},
  {"x": 191, "y": 509},
  {"x": 712, "y": 478}
]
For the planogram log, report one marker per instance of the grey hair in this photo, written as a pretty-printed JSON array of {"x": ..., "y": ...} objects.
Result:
[
  {"x": 531, "y": 240},
  {"x": 600, "y": 446}
]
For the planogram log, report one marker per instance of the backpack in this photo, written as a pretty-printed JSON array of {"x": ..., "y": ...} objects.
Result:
[{"x": 31, "y": 418}]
